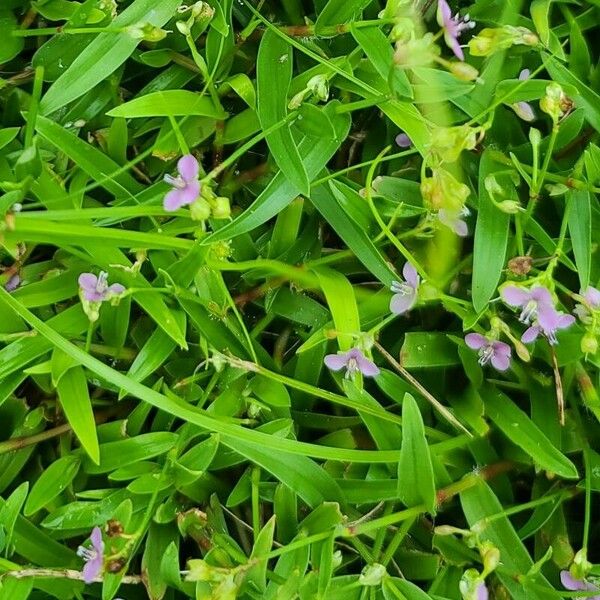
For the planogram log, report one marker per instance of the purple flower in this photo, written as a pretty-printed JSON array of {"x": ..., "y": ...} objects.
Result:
[
  {"x": 353, "y": 360},
  {"x": 13, "y": 283},
  {"x": 186, "y": 187},
  {"x": 548, "y": 323},
  {"x": 403, "y": 140},
  {"x": 453, "y": 219},
  {"x": 524, "y": 110},
  {"x": 498, "y": 353},
  {"x": 570, "y": 583},
  {"x": 453, "y": 26},
  {"x": 592, "y": 301},
  {"x": 533, "y": 302},
  {"x": 93, "y": 557},
  {"x": 405, "y": 292},
  {"x": 96, "y": 289}
]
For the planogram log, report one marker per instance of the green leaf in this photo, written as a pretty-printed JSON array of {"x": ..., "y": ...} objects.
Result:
[
  {"x": 280, "y": 192},
  {"x": 540, "y": 14},
  {"x": 273, "y": 77},
  {"x": 338, "y": 12},
  {"x": 75, "y": 401},
  {"x": 423, "y": 350},
  {"x": 168, "y": 103},
  {"x": 106, "y": 53},
  {"x": 52, "y": 482},
  {"x": 580, "y": 230},
  {"x": 376, "y": 46},
  {"x": 479, "y": 502},
  {"x": 257, "y": 574},
  {"x": 11, "y": 509},
  {"x": 491, "y": 235},
  {"x": 11, "y": 45},
  {"x": 94, "y": 162},
  {"x": 159, "y": 539},
  {"x": 523, "y": 432},
  {"x": 342, "y": 304},
  {"x": 416, "y": 483}
]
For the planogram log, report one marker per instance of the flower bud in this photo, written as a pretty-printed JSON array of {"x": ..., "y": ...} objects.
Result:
[
  {"x": 589, "y": 343},
  {"x": 319, "y": 86},
  {"x": 147, "y": 32},
  {"x": 510, "y": 207},
  {"x": 490, "y": 556},
  {"x": 442, "y": 190},
  {"x": 535, "y": 137},
  {"x": 557, "y": 189},
  {"x": 221, "y": 208},
  {"x": 372, "y": 575},
  {"x": 463, "y": 71},
  {"x": 555, "y": 102},
  {"x": 416, "y": 52},
  {"x": 297, "y": 99},
  {"x": 183, "y": 27},
  {"x": 447, "y": 143},
  {"x": 200, "y": 210},
  {"x": 492, "y": 186}
]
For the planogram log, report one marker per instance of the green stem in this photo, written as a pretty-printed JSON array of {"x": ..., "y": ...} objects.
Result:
[{"x": 539, "y": 180}]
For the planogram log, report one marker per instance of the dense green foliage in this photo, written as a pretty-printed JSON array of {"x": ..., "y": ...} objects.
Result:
[{"x": 330, "y": 353}]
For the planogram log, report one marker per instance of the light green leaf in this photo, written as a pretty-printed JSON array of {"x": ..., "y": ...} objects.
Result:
[{"x": 173, "y": 103}]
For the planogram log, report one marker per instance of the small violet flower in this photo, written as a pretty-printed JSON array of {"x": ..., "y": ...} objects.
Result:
[
  {"x": 353, "y": 360},
  {"x": 454, "y": 220},
  {"x": 403, "y": 141},
  {"x": 96, "y": 289},
  {"x": 592, "y": 301},
  {"x": 93, "y": 557},
  {"x": 405, "y": 292},
  {"x": 453, "y": 27},
  {"x": 482, "y": 591},
  {"x": 570, "y": 583},
  {"x": 537, "y": 311},
  {"x": 524, "y": 110},
  {"x": 186, "y": 187},
  {"x": 498, "y": 353}
]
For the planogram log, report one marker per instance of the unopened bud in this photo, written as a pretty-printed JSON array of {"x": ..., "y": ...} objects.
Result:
[
  {"x": 510, "y": 207},
  {"x": 319, "y": 86},
  {"x": 183, "y": 27},
  {"x": 221, "y": 208},
  {"x": 535, "y": 137},
  {"x": 491, "y": 558},
  {"x": 147, "y": 32},
  {"x": 200, "y": 210},
  {"x": 589, "y": 343},
  {"x": 372, "y": 575},
  {"x": 463, "y": 71}
]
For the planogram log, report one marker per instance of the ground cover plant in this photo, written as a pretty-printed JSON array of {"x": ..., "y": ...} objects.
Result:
[{"x": 299, "y": 299}]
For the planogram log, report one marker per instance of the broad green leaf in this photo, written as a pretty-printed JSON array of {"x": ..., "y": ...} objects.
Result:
[
  {"x": 273, "y": 77},
  {"x": 72, "y": 389},
  {"x": 416, "y": 483},
  {"x": 106, "y": 53},
  {"x": 52, "y": 482},
  {"x": 174, "y": 103},
  {"x": 7, "y": 135},
  {"x": 423, "y": 350},
  {"x": 580, "y": 230},
  {"x": 540, "y": 14},
  {"x": 523, "y": 432},
  {"x": 11, "y": 45},
  {"x": 491, "y": 234}
]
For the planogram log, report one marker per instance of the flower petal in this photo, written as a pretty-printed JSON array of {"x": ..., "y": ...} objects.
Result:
[
  {"x": 524, "y": 111},
  {"x": 548, "y": 317},
  {"x": 460, "y": 228},
  {"x": 401, "y": 303},
  {"x": 592, "y": 296},
  {"x": 444, "y": 13},
  {"x": 410, "y": 275},
  {"x": 173, "y": 200},
  {"x": 500, "y": 361},
  {"x": 482, "y": 591},
  {"x": 115, "y": 289},
  {"x": 570, "y": 583},
  {"x": 501, "y": 349},
  {"x": 190, "y": 192},
  {"x": 514, "y": 296},
  {"x": 188, "y": 168},
  {"x": 531, "y": 334},
  {"x": 565, "y": 321},
  {"x": 87, "y": 281},
  {"x": 524, "y": 74},
  {"x": 13, "y": 283},
  {"x": 96, "y": 539},
  {"x": 403, "y": 141},
  {"x": 454, "y": 45},
  {"x": 542, "y": 295},
  {"x": 92, "y": 569},
  {"x": 367, "y": 367},
  {"x": 336, "y": 362},
  {"x": 475, "y": 341}
]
